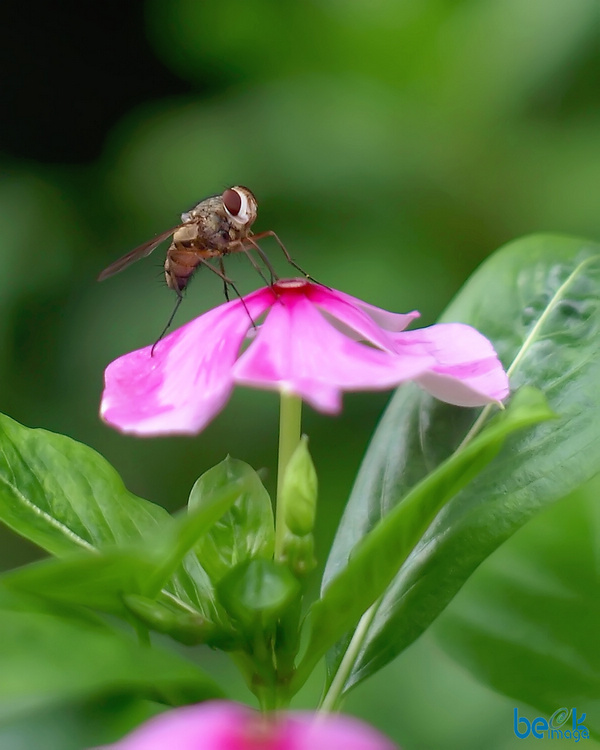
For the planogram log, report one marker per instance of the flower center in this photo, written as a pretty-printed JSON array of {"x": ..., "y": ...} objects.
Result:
[{"x": 285, "y": 284}]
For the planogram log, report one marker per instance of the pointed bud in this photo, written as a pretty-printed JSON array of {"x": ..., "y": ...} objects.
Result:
[{"x": 299, "y": 491}]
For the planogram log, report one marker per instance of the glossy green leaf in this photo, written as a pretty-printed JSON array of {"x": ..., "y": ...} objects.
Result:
[
  {"x": 100, "y": 579},
  {"x": 212, "y": 504},
  {"x": 377, "y": 559},
  {"x": 246, "y": 530},
  {"x": 527, "y": 622},
  {"x": 49, "y": 656},
  {"x": 66, "y": 498},
  {"x": 188, "y": 628},
  {"x": 538, "y": 300},
  {"x": 63, "y": 496}
]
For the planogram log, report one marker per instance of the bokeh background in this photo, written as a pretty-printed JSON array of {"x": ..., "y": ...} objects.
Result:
[{"x": 392, "y": 144}]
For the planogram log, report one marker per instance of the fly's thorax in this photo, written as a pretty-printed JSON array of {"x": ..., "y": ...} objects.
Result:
[
  {"x": 205, "y": 207},
  {"x": 186, "y": 235},
  {"x": 215, "y": 234}
]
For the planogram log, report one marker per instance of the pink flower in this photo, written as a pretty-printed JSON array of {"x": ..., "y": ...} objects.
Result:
[
  {"x": 315, "y": 342},
  {"x": 219, "y": 725}
]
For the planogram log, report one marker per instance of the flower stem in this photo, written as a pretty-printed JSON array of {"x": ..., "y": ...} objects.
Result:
[
  {"x": 290, "y": 425},
  {"x": 332, "y": 697}
]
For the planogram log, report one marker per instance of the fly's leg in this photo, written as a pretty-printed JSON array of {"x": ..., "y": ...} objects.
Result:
[
  {"x": 225, "y": 283},
  {"x": 288, "y": 257},
  {"x": 257, "y": 268},
  {"x": 166, "y": 328},
  {"x": 265, "y": 259},
  {"x": 228, "y": 282}
]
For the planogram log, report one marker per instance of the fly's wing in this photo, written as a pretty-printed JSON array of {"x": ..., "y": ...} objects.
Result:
[{"x": 139, "y": 252}]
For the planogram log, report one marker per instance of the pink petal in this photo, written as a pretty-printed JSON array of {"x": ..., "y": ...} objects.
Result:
[
  {"x": 387, "y": 320},
  {"x": 188, "y": 380},
  {"x": 297, "y": 350},
  {"x": 307, "y": 731},
  {"x": 219, "y": 725},
  {"x": 357, "y": 319},
  {"x": 214, "y": 725},
  {"x": 467, "y": 371}
]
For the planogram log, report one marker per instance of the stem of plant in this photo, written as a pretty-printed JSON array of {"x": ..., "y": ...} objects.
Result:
[
  {"x": 332, "y": 697},
  {"x": 290, "y": 426}
]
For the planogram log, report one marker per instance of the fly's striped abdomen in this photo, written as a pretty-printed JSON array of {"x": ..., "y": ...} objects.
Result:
[
  {"x": 180, "y": 264},
  {"x": 183, "y": 257}
]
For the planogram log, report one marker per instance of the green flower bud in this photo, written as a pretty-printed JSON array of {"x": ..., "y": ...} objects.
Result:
[
  {"x": 299, "y": 554},
  {"x": 257, "y": 592},
  {"x": 299, "y": 491}
]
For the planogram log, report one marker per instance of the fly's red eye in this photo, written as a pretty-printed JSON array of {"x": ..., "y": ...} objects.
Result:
[{"x": 232, "y": 201}]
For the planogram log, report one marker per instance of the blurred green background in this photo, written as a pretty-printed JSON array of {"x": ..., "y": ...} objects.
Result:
[{"x": 391, "y": 144}]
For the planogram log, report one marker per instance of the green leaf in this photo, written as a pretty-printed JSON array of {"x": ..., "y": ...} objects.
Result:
[
  {"x": 49, "y": 655},
  {"x": 101, "y": 579},
  {"x": 376, "y": 560},
  {"x": 98, "y": 581},
  {"x": 538, "y": 300},
  {"x": 191, "y": 629},
  {"x": 246, "y": 530},
  {"x": 527, "y": 621},
  {"x": 66, "y": 498},
  {"x": 87, "y": 723}
]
